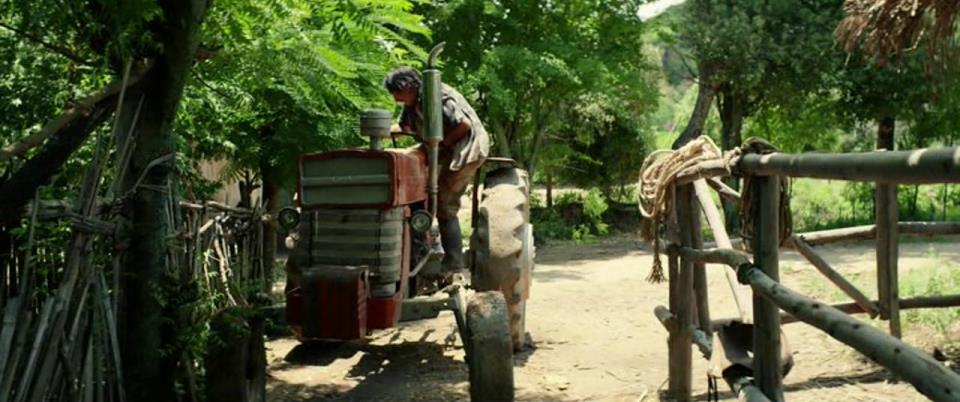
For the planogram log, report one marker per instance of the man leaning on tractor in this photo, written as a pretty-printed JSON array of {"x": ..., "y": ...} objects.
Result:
[{"x": 463, "y": 150}]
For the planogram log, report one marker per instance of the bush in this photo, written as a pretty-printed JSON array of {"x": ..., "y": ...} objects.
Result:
[
  {"x": 825, "y": 204},
  {"x": 576, "y": 216}
]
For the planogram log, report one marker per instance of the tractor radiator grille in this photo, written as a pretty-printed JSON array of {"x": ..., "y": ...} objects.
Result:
[{"x": 359, "y": 237}]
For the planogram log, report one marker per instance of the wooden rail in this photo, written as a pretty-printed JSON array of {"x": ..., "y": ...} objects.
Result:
[
  {"x": 869, "y": 232},
  {"x": 686, "y": 319},
  {"x": 858, "y": 297},
  {"x": 940, "y": 165},
  {"x": 930, "y": 377}
]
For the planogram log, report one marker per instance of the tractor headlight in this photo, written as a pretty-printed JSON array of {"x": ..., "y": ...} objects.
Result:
[
  {"x": 420, "y": 221},
  {"x": 288, "y": 218}
]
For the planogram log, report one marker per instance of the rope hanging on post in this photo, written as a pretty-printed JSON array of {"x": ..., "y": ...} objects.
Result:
[
  {"x": 657, "y": 176},
  {"x": 748, "y": 210}
]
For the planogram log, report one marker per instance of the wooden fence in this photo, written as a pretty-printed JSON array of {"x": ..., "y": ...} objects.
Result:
[
  {"x": 59, "y": 303},
  {"x": 688, "y": 319}
]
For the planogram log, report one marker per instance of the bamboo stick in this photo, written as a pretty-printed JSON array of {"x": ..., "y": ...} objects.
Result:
[
  {"x": 766, "y": 316},
  {"x": 817, "y": 261},
  {"x": 87, "y": 384},
  {"x": 112, "y": 332},
  {"x": 6, "y": 339},
  {"x": 17, "y": 350},
  {"x": 929, "y": 165},
  {"x": 39, "y": 343},
  {"x": 927, "y": 375},
  {"x": 715, "y": 220}
]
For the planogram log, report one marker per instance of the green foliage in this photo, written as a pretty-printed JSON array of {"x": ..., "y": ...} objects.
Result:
[
  {"x": 290, "y": 77},
  {"x": 552, "y": 81},
  {"x": 770, "y": 51},
  {"x": 936, "y": 280},
  {"x": 576, "y": 216},
  {"x": 821, "y": 204}
]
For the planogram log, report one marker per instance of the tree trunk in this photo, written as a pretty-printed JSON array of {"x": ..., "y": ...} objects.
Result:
[
  {"x": 946, "y": 192},
  {"x": 534, "y": 151},
  {"x": 502, "y": 140},
  {"x": 147, "y": 325},
  {"x": 701, "y": 109},
  {"x": 227, "y": 356},
  {"x": 246, "y": 185},
  {"x": 914, "y": 201},
  {"x": 732, "y": 109},
  {"x": 549, "y": 191},
  {"x": 268, "y": 195}
]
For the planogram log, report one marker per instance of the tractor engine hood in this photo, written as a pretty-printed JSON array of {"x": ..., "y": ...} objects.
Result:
[{"x": 362, "y": 178}]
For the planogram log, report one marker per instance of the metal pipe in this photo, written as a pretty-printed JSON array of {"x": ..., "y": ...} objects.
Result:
[
  {"x": 929, "y": 165},
  {"x": 433, "y": 121}
]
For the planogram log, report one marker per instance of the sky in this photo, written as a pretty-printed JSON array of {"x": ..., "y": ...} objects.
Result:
[{"x": 654, "y": 8}]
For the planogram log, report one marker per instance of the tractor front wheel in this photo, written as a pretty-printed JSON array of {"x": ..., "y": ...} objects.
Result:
[{"x": 489, "y": 348}]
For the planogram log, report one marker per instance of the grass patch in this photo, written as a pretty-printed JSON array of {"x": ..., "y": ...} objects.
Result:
[{"x": 937, "y": 280}]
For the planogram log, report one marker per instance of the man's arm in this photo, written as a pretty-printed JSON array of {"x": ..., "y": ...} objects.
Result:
[{"x": 456, "y": 134}]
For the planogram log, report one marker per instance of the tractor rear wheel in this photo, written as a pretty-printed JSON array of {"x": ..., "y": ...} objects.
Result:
[
  {"x": 502, "y": 245},
  {"x": 489, "y": 348}
]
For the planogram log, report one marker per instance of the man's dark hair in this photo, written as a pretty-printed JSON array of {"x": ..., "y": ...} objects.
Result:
[{"x": 402, "y": 78}]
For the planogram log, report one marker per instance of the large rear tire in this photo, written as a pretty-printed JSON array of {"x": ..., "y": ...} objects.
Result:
[
  {"x": 502, "y": 243},
  {"x": 489, "y": 348}
]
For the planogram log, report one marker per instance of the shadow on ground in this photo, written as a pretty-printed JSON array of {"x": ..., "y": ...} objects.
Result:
[
  {"x": 823, "y": 382},
  {"x": 412, "y": 370},
  {"x": 397, "y": 371}
]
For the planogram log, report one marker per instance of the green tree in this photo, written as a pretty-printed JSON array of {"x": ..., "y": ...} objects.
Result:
[
  {"x": 755, "y": 57},
  {"x": 146, "y": 48},
  {"x": 551, "y": 79},
  {"x": 290, "y": 77}
]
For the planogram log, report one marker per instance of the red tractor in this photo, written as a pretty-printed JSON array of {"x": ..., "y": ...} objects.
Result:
[{"x": 367, "y": 254}]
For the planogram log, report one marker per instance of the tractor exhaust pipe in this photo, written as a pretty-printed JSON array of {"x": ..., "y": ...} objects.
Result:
[{"x": 433, "y": 121}]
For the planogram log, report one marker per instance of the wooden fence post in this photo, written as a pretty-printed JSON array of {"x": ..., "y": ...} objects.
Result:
[
  {"x": 887, "y": 254},
  {"x": 766, "y": 315},
  {"x": 681, "y": 302},
  {"x": 887, "y": 238}
]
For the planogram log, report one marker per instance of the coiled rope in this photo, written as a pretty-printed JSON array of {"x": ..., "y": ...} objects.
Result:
[
  {"x": 658, "y": 175},
  {"x": 662, "y": 168}
]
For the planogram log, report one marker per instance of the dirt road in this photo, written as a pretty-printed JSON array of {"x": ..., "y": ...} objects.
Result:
[{"x": 596, "y": 338}]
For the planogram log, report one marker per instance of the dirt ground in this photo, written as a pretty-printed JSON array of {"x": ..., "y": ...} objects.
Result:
[{"x": 591, "y": 319}]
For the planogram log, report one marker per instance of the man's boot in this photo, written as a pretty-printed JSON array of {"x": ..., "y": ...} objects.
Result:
[{"x": 452, "y": 242}]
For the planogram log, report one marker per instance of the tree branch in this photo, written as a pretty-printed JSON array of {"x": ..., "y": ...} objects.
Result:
[
  {"x": 60, "y": 50},
  {"x": 37, "y": 171},
  {"x": 78, "y": 109}
]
